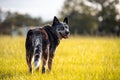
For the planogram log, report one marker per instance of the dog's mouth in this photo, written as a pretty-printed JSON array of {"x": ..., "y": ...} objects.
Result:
[{"x": 64, "y": 36}]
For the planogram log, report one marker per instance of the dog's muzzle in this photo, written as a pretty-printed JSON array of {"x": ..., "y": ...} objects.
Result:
[{"x": 66, "y": 35}]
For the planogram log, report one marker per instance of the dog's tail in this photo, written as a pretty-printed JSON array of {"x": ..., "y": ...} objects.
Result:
[
  {"x": 37, "y": 61},
  {"x": 37, "y": 56}
]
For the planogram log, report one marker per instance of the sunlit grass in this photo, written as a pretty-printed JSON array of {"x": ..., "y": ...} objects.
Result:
[{"x": 77, "y": 58}]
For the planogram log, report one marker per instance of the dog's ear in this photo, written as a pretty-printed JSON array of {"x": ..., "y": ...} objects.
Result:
[
  {"x": 55, "y": 20},
  {"x": 65, "y": 20}
]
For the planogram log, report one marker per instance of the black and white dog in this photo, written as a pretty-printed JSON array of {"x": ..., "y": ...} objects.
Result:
[{"x": 41, "y": 43}]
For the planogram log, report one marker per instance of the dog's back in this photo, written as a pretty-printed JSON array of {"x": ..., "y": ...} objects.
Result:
[{"x": 35, "y": 38}]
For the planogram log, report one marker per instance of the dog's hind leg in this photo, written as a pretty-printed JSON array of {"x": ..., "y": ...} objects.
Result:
[
  {"x": 44, "y": 64},
  {"x": 44, "y": 58},
  {"x": 29, "y": 61}
]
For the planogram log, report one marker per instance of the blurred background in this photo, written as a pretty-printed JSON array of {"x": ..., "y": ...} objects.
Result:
[{"x": 86, "y": 17}]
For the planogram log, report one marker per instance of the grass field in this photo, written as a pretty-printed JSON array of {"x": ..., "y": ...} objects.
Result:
[{"x": 77, "y": 58}]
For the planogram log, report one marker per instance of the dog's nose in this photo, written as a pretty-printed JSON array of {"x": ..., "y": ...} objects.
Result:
[{"x": 67, "y": 32}]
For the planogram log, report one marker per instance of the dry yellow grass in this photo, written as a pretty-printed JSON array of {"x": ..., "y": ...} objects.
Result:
[{"x": 77, "y": 58}]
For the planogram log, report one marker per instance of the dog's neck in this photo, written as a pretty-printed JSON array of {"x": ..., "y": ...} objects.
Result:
[{"x": 50, "y": 31}]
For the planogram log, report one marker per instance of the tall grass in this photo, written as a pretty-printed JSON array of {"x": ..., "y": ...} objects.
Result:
[{"x": 77, "y": 58}]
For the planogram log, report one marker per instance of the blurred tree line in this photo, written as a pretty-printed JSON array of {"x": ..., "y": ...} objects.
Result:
[
  {"x": 10, "y": 21},
  {"x": 86, "y": 17},
  {"x": 92, "y": 17}
]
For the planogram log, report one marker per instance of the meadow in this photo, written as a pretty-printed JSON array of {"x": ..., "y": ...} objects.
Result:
[{"x": 76, "y": 58}]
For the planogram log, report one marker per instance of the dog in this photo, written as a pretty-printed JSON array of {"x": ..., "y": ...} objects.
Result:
[{"x": 42, "y": 42}]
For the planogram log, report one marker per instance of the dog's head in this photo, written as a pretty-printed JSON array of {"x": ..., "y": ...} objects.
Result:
[{"x": 61, "y": 28}]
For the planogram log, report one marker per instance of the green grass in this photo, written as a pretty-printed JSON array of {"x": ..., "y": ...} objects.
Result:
[{"x": 77, "y": 58}]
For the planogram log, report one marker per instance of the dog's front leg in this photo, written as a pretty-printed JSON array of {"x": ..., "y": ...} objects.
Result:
[{"x": 50, "y": 61}]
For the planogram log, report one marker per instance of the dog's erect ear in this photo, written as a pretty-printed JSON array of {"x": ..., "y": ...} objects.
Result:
[
  {"x": 55, "y": 20},
  {"x": 65, "y": 20}
]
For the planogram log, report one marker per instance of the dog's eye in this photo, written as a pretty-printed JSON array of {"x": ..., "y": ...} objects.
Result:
[
  {"x": 66, "y": 27},
  {"x": 61, "y": 28}
]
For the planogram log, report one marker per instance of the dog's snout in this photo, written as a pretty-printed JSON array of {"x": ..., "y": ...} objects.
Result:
[{"x": 67, "y": 32}]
